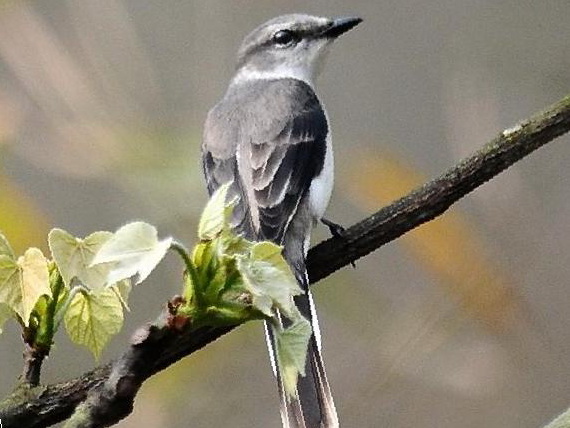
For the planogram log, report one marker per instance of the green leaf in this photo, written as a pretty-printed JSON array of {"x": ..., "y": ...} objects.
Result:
[
  {"x": 230, "y": 244},
  {"x": 216, "y": 214},
  {"x": 200, "y": 254},
  {"x": 75, "y": 255},
  {"x": 292, "y": 346},
  {"x": 220, "y": 279},
  {"x": 561, "y": 421},
  {"x": 5, "y": 314},
  {"x": 61, "y": 305},
  {"x": 93, "y": 318},
  {"x": 269, "y": 279},
  {"x": 5, "y": 248},
  {"x": 23, "y": 282},
  {"x": 41, "y": 307},
  {"x": 135, "y": 250}
]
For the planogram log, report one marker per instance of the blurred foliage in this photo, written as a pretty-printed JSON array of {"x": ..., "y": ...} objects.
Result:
[
  {"x": 21, "y": 220},
  {"x": 169, "y": 183},
  {"x": 448, "y": 247}
]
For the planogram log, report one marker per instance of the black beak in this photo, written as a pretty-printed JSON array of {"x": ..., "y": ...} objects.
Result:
[{"x": 341, "y": 25}]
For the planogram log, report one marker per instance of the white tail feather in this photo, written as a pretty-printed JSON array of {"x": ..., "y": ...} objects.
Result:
[{"x": 317, "y": 395}]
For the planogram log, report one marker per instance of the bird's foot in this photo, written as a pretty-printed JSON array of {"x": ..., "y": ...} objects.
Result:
[{"x": 337, "y": 231}]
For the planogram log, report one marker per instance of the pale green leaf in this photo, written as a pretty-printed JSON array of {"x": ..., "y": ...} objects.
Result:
[
  {"x": 35, "y": 278},
  {"x": 269, "y": 279},
  {"x": 10, "y": 284},
  {"x": 292, "y": 346},
  {"x": 75, "y": 255},
  {"x": 231, "y": 244},
  {"x": 218, "y": 281},
  {"x": 5, "y": 248},
  {"x": 5, "y": 314},
  {"x": 216, "y": 214},
  {"x": 135, "y": 250},
  {"x": 23, "y": 282},
  {"x": 561, "y": 421},
  {"x": 93, "y": 318}
]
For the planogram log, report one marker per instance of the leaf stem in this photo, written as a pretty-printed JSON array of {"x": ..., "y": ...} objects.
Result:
[
  {"x": 58, "y": 318},
  {"x": 190, "y": 268},
  {"x": 40, "y": 338},
  {"x": 47, "y": 326}
]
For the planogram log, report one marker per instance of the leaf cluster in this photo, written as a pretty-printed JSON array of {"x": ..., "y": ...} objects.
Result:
[
  {"x": 86, "y": 284},
  {"x": 231, "y": 279}
]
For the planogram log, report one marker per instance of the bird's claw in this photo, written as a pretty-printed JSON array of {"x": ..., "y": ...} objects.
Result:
[{"x": 337, "y": 231}]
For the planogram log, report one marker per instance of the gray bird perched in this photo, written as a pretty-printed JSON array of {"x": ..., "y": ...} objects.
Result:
[{"x": 269, "y": 136}]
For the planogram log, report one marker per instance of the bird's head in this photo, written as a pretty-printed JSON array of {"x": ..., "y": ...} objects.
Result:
[{"x": 289, "y": 46}]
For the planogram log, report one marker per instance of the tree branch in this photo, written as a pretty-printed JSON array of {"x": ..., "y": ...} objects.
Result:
[
  {"x": 107, "y": 392},
  {"x": 33, "y": 359},
  {"x": 436, "y": 196}
]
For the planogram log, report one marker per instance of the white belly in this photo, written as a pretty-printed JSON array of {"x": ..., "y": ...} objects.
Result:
[{"x": 322, "y": 185}]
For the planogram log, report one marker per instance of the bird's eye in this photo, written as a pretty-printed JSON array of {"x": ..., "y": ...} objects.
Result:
[{"x": 284, "y": 38}]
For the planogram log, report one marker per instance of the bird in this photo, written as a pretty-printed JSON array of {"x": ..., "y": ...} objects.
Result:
[{"x": 269, "y": 136}]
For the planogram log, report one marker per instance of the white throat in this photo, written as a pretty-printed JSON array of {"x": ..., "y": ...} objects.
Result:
[{"x": 283, "y": 71}]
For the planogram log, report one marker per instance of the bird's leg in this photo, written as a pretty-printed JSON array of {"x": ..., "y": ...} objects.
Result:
[{"x": 337, "y": 231}]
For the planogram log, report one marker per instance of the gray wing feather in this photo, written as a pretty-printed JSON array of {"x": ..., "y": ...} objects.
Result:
[{"x": 268, "y": 137}]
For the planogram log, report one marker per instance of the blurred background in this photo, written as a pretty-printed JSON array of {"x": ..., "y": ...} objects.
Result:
[{"x": 463, "y": 322}]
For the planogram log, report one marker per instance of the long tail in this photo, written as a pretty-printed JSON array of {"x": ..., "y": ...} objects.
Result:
[{"x": 313, "y": 407}]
